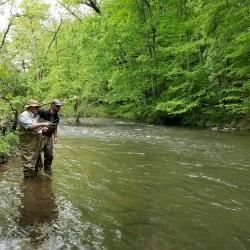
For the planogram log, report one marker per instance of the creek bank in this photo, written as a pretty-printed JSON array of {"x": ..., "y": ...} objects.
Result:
[
  {"x": 83, "y": 122},
  {"x": 4, "y": 159}
]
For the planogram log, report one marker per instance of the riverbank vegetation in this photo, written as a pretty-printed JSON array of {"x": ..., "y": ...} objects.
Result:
[
  {"x": 169, "y": 62},
  {"x": 9, "y": 146}
]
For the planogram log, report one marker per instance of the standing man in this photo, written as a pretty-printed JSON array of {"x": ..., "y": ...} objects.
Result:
[
  {"x": 52, "y": 116},
  {"x": 30, "y": 137}
]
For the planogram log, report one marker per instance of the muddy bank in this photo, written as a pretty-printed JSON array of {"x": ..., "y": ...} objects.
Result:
[{"x": 4, "y": 159}]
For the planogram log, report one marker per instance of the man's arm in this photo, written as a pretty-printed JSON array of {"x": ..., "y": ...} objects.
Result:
[
  {"x": 28, "y": 123},
  {"x": 55, "y": 132},
  {"x": 39, "y": 125}
]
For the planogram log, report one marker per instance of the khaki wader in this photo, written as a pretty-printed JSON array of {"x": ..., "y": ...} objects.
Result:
[{"x": 31, "y": 147}]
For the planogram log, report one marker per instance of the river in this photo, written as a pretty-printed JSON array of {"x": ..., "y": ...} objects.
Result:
[{"x": 120, "y": 185}]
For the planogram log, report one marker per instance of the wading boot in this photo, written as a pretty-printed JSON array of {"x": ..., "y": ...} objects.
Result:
[{"x": 30, "y": 173}]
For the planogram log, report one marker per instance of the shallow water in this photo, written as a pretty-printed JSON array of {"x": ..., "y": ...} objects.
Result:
[{"x": 123, "y": 185}]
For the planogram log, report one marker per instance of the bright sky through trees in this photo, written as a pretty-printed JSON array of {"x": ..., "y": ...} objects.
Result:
[{"x": 8, "y": 9}]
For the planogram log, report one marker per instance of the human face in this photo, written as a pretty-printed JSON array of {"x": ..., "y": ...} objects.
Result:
[
  {"x": 33, "y": 109},
  {"x": 56, "y": 108}
]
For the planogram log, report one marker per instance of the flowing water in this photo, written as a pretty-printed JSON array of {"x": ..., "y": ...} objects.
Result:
[{"x": 121, "y": 185}]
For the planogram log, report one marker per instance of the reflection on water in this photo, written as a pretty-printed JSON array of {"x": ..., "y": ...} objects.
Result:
[
  {"x": 38, "y": 209},
  {"x": 121, "y": 185}
]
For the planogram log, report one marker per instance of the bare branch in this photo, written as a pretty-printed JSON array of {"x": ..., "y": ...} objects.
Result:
[
  {"x": 5, "y": 2},
  {"x": 5, "y": 35},
  {"x": 52, "y": 40},
  {"x": 93, "y": 4},
  {"x": 69, "y": 10},
  {"x": 8, "y": 28},
  {"x": 14, "y": 110}
]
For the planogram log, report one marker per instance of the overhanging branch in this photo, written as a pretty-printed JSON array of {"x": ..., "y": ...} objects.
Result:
[{"x": 93, "y": 4}]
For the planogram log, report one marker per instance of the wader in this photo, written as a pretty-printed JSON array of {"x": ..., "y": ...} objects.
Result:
[
  {"x": 48, "y": 150},
  {"x": 31, "y": 147}
]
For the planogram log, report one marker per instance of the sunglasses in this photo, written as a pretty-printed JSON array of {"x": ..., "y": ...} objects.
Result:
[{"x": 58, "y": 106}]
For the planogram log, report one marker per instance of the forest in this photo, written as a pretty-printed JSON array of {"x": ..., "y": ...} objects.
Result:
[{"x": 181, "y": 62}]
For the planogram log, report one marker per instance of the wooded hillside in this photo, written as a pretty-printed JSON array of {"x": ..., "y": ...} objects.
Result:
[{"x": 169, "y": 62}]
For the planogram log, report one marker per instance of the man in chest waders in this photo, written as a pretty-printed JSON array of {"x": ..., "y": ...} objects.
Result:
[
  {"x": 51, "y": 115},
  {"x": 30, "y": 137}
]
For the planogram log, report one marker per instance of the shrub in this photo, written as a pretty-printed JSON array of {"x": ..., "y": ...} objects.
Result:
[
  {"x": 12, "y": 140},
  {"x": 8, "y": 143}
]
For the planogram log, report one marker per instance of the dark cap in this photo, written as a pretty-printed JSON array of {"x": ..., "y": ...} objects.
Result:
[{"x": 56, "y": 102}]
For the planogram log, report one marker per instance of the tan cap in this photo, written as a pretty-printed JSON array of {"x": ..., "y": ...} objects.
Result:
[{"x": 32, "y": 103}]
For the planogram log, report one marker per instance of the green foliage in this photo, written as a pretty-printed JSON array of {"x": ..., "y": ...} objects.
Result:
[
  {"x": 8, "y": 143},
  {"x": 4, "y": 148},
  {"x": 12, "y": 139},
  {"x": 185, "y": 62}
]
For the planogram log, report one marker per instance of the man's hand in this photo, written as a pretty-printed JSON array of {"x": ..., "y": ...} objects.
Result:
[
  {"x": 55, "y": 140},
  {"x": 44, "y": 129}
]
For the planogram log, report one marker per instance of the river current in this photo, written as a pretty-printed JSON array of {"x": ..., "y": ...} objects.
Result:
[{"x": 120, "y": 185}]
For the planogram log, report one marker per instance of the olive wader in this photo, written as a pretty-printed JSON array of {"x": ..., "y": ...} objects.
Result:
[
  {"x": 31, "y": 147},
  {"x": 47, "y": 147}
]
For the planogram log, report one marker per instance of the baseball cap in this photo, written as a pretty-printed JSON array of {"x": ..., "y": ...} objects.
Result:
[
  {"x": 56, "y": 102},
  {"x": 32, "y": 103}
]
